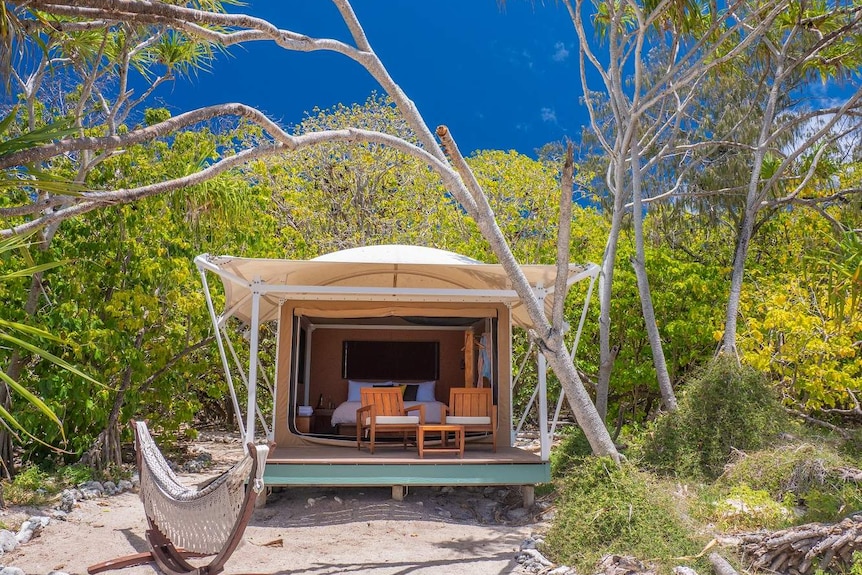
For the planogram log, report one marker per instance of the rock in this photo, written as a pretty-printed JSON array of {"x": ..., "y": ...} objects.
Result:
[
  {"x": 125, "y": 485},
  {"x": 59, "y": 515},
  {"x": 12, "y": 571},
  {"x": 623, "y": 565},
  {"x": 517, "y": 514},
  {"x": 91, "y": 490},
  {"x": 338, "y": 500},
  {"x": 110, "y": 488},
  {"x": 536, "y": 556},
  {"x": 67, "y": 500},
  {"x": 193, "y": 466},
  {"x": 58, "y": 573},
  {"x": 487, "y": 510},
  {"x": 8, "y": 542}
]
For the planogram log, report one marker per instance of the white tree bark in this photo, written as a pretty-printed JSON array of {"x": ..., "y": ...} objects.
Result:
[{"x": 785, "y": 64}]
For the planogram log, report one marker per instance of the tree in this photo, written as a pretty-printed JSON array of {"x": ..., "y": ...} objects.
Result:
[
  {"x": 442, "y": 157},
  {"x": 642, "y": 116},
  {"x": 820, "y": 41},
  {"x": 95, "y": 64}
]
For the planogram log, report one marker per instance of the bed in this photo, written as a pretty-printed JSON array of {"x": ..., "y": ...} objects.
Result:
[{"x": 415, "y": 393}]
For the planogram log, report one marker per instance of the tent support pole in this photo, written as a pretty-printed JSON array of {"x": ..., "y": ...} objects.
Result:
[
  {"x": 221, "y": 351},
  {"x": 252, "y": 360}
]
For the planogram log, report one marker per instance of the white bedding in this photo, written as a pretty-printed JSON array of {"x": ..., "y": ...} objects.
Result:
[{"x": 346, "y": 412}]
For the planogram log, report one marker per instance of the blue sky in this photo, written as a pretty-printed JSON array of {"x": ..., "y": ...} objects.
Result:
[{"x": 499, "y": 77}]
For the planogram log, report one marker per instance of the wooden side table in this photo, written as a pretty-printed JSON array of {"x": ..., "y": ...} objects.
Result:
[
  {"x": 443, "y": 430},
  {"x": 323, "y": 421}
]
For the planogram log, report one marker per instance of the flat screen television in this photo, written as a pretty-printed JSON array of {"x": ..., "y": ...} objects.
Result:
[{"x": 391, "y": 360}]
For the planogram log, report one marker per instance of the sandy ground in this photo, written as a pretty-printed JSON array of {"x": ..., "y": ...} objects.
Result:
[{"x": 309, "y": 531}]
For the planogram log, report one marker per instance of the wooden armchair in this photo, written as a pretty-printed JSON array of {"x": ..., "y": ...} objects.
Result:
[
  {"x": 472, "y": 407},
  {"x": 383, "y": 411}
]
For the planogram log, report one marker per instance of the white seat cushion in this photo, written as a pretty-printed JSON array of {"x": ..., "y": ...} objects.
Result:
[
  {"x": 461, "y": 420},
  {"x": 394, "y": 419}
]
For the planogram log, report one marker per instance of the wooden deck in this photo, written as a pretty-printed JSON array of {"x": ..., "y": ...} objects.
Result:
[{"x": 326, "y": 465}]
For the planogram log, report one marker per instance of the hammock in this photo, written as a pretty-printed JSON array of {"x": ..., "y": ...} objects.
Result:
[{"x": 189, "y": 521}]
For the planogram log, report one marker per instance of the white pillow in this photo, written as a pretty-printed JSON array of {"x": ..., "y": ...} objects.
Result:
[{"x": 426, "y": 391}]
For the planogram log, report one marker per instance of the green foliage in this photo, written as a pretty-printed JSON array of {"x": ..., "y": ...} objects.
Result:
[
  {"x": 570, "y": 452},
  {"x": 724, "y": 408},
  {"x": 132, "y": 303},
  {"x": 31, "y": 486},
  {"x": 745, "y": 509},
  {"x": 814, "y": 481},
  {"x": 604, "y": 508},
  {"x": 75, "y": 474},
  {"x": 802, "y": 318}
]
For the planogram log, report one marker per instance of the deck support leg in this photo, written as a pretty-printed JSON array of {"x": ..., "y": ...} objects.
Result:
[
  {"x": 260, "y": 502},
  {"x": 528, "y": 495},
  {"x": 398, "y": 492}
]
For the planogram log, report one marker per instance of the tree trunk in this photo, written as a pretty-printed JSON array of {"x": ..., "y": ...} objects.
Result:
[
  {"x": 607, "y": 354},
  {"x": 665, "y": 387},
  {"x": 582, "y": 406},
  {"x": 639, "y": 264},
  {"x": 743, "y": 240},
  {"x": 106, "y": 449}
]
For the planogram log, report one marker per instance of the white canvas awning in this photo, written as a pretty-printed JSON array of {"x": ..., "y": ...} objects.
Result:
[{"x": 376, "y": 273}]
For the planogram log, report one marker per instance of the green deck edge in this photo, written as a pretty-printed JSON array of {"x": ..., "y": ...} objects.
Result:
[{"x": 355, "y": 475}]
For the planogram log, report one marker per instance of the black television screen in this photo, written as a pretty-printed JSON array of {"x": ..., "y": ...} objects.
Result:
[{"x": 393, "y": 360}]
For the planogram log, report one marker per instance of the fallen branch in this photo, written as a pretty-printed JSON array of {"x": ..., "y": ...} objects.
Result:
[
  {"x": 720, "y": 565},
  {"x": 803, "y": 548}
]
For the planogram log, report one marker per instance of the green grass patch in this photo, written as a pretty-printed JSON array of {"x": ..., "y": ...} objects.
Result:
[
  {"x": 571, "y": 451},
  {"x": 603, "y": 508},
  {"x": 34, "y": 486},
  {"x": 31, "y": 486}
]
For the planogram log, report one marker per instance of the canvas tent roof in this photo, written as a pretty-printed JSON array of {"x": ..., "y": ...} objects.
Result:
[{"x": 375, "y": 273}]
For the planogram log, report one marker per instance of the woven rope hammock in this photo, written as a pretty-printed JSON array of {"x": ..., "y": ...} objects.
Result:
[
  {"x": 191, "y": 521},
  {"x": 199, "y": 520}
]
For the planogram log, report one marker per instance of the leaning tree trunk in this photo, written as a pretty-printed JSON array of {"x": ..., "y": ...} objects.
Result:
[
  {"x": 585, "y": 412},
  {"x": 639, "y": 264}
]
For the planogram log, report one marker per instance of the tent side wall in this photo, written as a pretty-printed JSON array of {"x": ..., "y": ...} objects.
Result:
[{"x": 286, "y": 386}]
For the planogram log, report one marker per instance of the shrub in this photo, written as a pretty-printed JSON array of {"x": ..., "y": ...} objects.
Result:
[
  {"x": 725, "y": 407},
  {"x": 747, "y": 509},
  {"x": 603, "y": 508},
  {"x": 813, "y": 479},
  {"x": 571, "y": 451},
  {"x": 31, "y": 486}
]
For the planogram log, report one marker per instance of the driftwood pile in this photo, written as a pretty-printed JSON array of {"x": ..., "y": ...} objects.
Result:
[{"x": 802, "y": 549}]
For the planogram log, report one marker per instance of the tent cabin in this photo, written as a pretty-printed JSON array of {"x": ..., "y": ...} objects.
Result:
[{"x": 422, "y": 318}]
